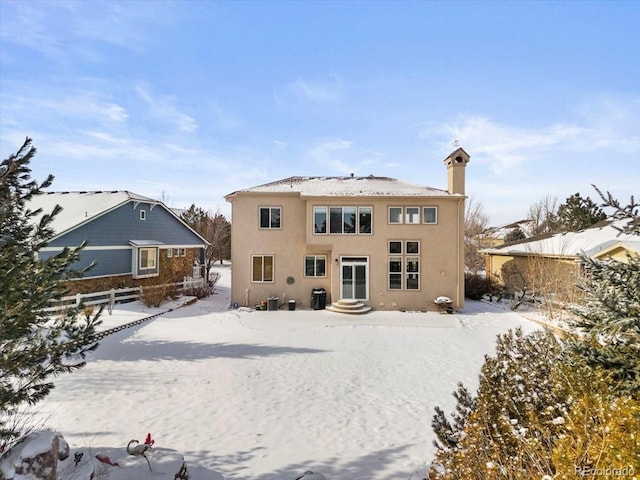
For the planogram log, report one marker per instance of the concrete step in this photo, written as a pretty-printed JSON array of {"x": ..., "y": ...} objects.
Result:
[{"x": 353, "y": 307}]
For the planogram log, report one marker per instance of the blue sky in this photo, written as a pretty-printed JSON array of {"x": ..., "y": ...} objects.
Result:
[{"x": 189, "y": 101}]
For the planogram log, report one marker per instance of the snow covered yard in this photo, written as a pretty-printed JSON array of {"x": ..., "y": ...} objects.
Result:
[{"x": 266, "y": 395}]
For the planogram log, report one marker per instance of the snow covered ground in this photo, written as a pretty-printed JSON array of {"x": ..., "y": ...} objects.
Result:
[{"x": 266, "y": 395}]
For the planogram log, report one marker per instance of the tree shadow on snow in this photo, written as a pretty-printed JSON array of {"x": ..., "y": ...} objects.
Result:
[
  {"x": 133, "y": 351},
  {"x": 362, "y": 468}
]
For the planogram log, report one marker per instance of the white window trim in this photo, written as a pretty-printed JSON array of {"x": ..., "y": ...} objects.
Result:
[
  {"x": 389, "y": 272},
  {"x": 406, "y": 248},
  {"x": 406, "y": 272},
  {"x": 326, "y": 219},
  {"x": 273, "y": 268},
  {"x": 423, "y": 215},
  {"x": 404, "y": 258},
  {"x": 358, "y": 220},
  {"x": 417, "y": 217},
  {"x": 270, "y": 220},
  {"x": 389, "y": 215},
  {"x": 327, "y": 211},
  {"x": 143, "y": 214},
  {"x": 155, "y": 259},
  {"x": 315, "y": 257},
  {"x": 394, "y": 254}
]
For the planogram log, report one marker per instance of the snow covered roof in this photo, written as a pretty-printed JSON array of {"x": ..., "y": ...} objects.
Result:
[
  {"x": 81, "y": 207},
  {"x": 504, "y": 230},
  {"x": 570, "y": 244},
  {"x": 346, "y": 186}
]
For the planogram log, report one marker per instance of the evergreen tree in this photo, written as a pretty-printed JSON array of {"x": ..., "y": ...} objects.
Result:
[
  {"x": 33, "y": 345},
  {"x": 578, "y": 213},
  {"x": 514, "y": 235},
  {"x": 509, "y": 430},
  {"x": 221, "y": 238},
  {"x": 216, "y": 230},
  {"x": 450, "y": 433},
  {"x": 609, "y": 319}
]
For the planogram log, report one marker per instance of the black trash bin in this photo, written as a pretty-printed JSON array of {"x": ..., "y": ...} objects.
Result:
[
  {"x": 318, "y": 298},
  {"x": 292, "y": 304}
]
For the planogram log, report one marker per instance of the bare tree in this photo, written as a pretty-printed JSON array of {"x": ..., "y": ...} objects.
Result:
[
  {"x": 543, "y": 216},
  {"x": 476, "y": 222}
]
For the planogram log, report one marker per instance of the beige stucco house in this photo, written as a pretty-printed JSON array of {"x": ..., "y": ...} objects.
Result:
[{"x": 375, "y": 241}]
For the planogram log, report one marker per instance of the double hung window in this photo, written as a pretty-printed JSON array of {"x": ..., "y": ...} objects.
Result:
[
  {"x": 262, "y": 268},
  {"x": 147, "y": 258},
  {"x": 315, "y": 266},
  {"x": 270, "y": 217}
]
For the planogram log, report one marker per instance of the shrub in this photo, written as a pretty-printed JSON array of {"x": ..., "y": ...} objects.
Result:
[{"x": 477, "y": 286}]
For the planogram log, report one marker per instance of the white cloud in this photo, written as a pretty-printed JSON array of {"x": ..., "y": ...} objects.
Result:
[
  {"x": 279, "y": 146},
  {"x": 223, "y": 118},
  {"x": 328, "y": 91},
  {"x": 602, "y": 125},
  {"x": 79, "y": 105},
  {"x": 163, "y": 108},
  {"x": 329, "y": 154},
  {"x": 88, "y": 26},
  {"x": 338, "y": 155}
]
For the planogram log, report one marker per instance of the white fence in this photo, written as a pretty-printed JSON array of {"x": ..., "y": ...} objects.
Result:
[{"x": 119, "y": 295}]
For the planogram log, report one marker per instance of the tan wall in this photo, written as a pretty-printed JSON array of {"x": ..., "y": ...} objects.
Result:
[
  {"x": 541, "y": 274},
  {"x": 441, "y": 250},
  {"x": 618, "y": 253}
]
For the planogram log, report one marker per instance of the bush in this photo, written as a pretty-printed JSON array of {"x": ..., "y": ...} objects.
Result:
[
  {"x": 508, "y": 430},
  {"x": 600, "y": 433},
  {"x": 477, "y": 286}
]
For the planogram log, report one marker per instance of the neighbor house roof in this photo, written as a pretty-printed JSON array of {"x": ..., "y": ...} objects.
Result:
[
  {"x": 571, "y": 244},
  {"x": 79, "y": 208},
  {"x": 351, "y": 186},
  {"x": 504, "y": 230}
]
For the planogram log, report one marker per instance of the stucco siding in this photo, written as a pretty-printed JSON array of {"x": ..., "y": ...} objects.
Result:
[{"x": 441, "y": 263}]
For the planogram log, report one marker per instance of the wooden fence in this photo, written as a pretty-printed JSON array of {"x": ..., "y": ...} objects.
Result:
[{"x": 119, "y": 295}]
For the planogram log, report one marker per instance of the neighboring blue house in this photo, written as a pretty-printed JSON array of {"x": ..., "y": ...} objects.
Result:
[{"x": 129, "y": 237}]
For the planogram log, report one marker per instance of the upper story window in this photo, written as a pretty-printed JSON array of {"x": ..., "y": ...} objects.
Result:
[
  {"x": 430, "y": 215},
  {"x": 143, "y": 214},
  {"x": 395, "y": 214},
  {"x": 365, "y": 219},
  {"x": 342, "y": 220},
  {"x": 411, "y": 215},
  {"x": 270, "y": 217},
  {"x": 319, "y": 219}
]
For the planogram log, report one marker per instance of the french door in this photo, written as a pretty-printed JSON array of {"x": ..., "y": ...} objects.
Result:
[{"x": 354, "y": 278}]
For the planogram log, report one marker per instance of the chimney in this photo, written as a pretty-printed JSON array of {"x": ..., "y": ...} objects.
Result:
[{"x": 456, "y": 163}]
